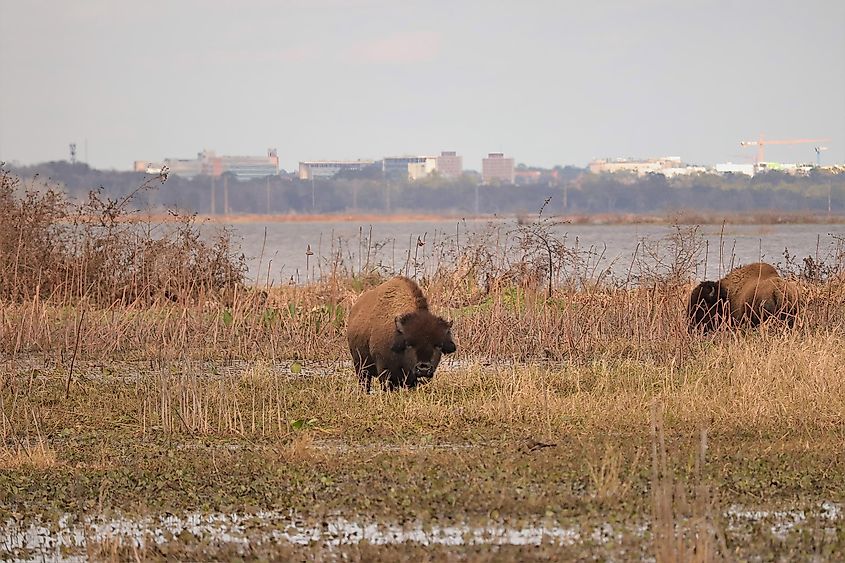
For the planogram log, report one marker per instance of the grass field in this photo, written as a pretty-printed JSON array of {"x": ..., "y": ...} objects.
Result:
[
  {"x": 634, "y": 445},
  {"x": 153, "y": 407}
]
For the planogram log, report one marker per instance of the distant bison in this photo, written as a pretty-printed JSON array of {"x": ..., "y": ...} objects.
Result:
[
  {"x": 746, "y": 296},
  {"x": 393, "y": 336}
]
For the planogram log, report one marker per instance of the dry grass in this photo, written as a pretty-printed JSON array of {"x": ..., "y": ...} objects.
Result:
[
  {"x": 114, "y": 549},
  {"x": 550, "y": 350},
  {"x": 309, "y": 323},
  {"x": 27, "y": 454},
  {"x": 762, "y": 383},
  {"x": 702, "y": 540},
  {"x": 595, "y": 418},
  {"x": 608, "y": 476},
  {"x": 125, "y": 290}
]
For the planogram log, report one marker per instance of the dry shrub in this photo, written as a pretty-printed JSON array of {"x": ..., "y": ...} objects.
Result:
[
  {"x": 32, "y": 244},
  {"x": 532, "y": 257},
  {"x": 671, "y": 261},
  {"x": 102, "y": 252}
]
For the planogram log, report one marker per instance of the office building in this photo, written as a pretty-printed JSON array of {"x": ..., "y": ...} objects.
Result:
[
  {"x": 396, "y": 167},
  {"x": 208, "y": 163},
  {"x": 449, "y": 164},
  {"x": 497, "y": 169},
  {"x": 328, "y": 168},
  {"x": 640, "y": 167}
]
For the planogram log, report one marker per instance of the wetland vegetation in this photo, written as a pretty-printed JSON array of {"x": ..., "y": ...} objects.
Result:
[{"x": 155, "y": 406}]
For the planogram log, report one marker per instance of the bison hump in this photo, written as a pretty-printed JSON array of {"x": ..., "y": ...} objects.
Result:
[
  {"x": 751, "y": 273},
  {"x": 401, "y": 295}
]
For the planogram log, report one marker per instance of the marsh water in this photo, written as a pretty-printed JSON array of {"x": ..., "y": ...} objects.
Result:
[
  {"x": 762, "y": 529},
  {"x": 68, "y": 538},
  {"x": 302, "y": 251}
]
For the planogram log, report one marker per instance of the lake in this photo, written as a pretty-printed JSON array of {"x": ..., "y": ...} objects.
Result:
[{"x": 281, "y": 249}]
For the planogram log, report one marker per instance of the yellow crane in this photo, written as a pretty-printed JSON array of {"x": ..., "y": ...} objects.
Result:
[{"x": 761, "y": 143}]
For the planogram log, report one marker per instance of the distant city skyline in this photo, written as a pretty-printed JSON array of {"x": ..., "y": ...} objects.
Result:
[{"x": 547, "y": 83}]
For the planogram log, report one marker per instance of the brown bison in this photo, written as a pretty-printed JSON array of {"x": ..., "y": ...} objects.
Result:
[
  {"x": 393, "y": 336},
  {"x": 747, "y": 296}
]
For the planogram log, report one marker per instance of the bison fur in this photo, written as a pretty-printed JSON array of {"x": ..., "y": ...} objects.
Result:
[
  {"x": 746, "y": 296},
  {"x": 394, "y": 337}
]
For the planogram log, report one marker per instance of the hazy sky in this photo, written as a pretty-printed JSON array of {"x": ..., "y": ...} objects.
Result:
[{"x": 546, "y": 82}]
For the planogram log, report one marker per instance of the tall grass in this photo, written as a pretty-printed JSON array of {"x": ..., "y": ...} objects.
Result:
[
  {"x": 702, "y": 539},
  {"x": 87, "y": 283},
  {"x": 789, "y": 388},
  {"x": 93, "y": 281}
]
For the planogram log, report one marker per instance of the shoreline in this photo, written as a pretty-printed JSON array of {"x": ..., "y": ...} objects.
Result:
[{"x": 598, "y": 219}]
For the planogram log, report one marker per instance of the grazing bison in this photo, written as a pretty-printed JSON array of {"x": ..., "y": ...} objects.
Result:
[
  {"x": 746, "y": 296},
  {"x": 393, "y": 336}
]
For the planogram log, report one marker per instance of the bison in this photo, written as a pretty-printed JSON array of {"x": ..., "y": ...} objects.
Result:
[
  {"x": 747, "y": 296},
  {"x": 393, "y": 336}
]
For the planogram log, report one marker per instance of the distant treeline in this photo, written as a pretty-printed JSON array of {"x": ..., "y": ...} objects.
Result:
[{"x": 573, "y": 191}]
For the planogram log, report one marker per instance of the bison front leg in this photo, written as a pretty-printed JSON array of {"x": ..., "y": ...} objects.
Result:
[
  {"x": 787, "y": 316},
  {"x": 365, "y": 369},
  {"x": 383, "y": 374},
  {"x": 387, "y": 374}
]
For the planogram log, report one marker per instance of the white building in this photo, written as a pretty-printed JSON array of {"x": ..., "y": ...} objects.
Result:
[
  {"x": 640, "y": 167},
  {"x": 732, "y": 168},
  {"x": 682, "y": 171},
  {"x": 209, "y": 163},
  {"x": 309, "y": 169},
  {"x": 417, "y": 170}
]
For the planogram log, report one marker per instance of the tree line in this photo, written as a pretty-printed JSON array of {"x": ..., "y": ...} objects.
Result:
[{"x": 572, "y": 191}]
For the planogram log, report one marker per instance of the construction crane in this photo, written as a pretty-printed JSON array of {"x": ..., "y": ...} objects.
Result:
[
  {"x": 761, "y": 144},
  {"x": 819, "y": 154}
]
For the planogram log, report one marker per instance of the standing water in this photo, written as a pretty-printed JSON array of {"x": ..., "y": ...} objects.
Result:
[{"x": 300, "y": 251}]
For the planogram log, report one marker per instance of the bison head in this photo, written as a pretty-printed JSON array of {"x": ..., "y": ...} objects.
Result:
[
  {"x": 419, "y": 341},
  {"x": 708, "y": 306}
]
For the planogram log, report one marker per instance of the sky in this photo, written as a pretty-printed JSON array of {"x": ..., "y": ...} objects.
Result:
[{"x": 548, "y": 83}]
